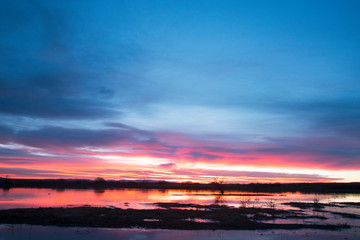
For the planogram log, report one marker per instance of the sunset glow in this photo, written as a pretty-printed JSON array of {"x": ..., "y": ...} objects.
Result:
[{"x": 249, "y": 91}]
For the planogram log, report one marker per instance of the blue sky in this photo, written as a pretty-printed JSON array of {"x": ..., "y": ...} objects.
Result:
[{"x": 258, "y": 77}]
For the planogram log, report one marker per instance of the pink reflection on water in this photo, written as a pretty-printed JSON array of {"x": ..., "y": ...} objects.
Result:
[{"x": 143, "y": 198}]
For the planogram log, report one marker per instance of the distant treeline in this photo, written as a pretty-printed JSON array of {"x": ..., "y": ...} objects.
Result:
[{"x": 100, "y": 183}]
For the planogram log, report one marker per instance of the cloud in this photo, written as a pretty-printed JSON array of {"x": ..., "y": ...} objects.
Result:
[
  {"x": 324, "y": 152},
  {"x": 167, "y": 165},
  {"x": 58, "y": 65},
  {"x": 106, "y": 93},
  {"x": 5, "y": 133},
  {"x": 339, "y": 115},
  {"x": 247, "y": 174},
  {"x": 30, "y": 172},
  {"x": 66, "y": 137},
  {"x": 45, "y": 100},
  {"x": 14, "y": 153},
  {"x": 122, "y": 126},
  {"x": 200, "y": 155}
]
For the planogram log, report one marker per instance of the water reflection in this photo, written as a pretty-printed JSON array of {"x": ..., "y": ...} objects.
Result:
[
  {"x": 99, "y": 192},
  {"x": 15, "y": 232},
  {"x": 143, "y": 198},
  {"x": 219, "y": 198}
]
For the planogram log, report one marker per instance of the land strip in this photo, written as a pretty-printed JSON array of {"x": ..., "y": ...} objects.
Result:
[
  {"x": 7, "y": 183},
  {"x": 166, "y": 216}
]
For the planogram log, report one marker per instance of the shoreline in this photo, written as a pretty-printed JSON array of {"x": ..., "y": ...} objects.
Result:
[{"x": 63, "y": 184}]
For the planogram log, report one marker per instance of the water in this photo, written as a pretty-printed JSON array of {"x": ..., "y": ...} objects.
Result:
[
  {"x": 144, "y": 198},
  {"x": 27, "y": 232}
]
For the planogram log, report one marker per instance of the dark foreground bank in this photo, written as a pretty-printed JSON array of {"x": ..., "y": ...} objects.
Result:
[
  {"x": 99, "y": 183},
  {"x": 166, "y": 216}
]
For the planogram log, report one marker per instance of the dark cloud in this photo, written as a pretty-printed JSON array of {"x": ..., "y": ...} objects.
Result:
[
  {"x": 25, "y": 156},
  {"x": 24, "y": 160},
  {"x": 226, "y": 150},
  {"x": 121, "y": 126},
  {"x": 329, "y": 145},
  {"x": 39, "y": 76},
  {"x": 30, "y": 172},
  {"x": 56, "y": 64},
  {"x": 13, "y": 152},
  {"x": 66, "y": 137},
  {"x": 6, "y": 133},
  {"x": 200, "y": 155},
  {"x": 329, "y": 151},
  {"x": 106, "y": 93},
  {"x": 340, "y": 116},
  {"x": 48, "y": 100},
  {"x": 167, "y": 165}
]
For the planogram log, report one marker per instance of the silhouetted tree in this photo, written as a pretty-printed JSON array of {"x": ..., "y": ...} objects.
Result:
[
  {"x": 6, "y": 183},
  {"x": 219, "y": 183},
  {"x": 100, "y": 180}
]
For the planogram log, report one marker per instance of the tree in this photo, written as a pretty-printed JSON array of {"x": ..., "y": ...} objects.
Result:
[
  {"x": 219, "y": 183},
  {"x": 99, "y": 180}
]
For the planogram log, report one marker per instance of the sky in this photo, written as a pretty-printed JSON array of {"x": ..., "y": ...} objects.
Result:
[{"x": 248, "y": 91}]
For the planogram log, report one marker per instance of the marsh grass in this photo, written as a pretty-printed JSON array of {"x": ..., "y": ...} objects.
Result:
[{"x": 166, "y": 216}]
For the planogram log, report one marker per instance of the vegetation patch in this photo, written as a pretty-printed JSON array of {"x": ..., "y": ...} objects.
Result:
[
  {"x": 306, "y": 205},
  {"x": 167, "y": 217}
]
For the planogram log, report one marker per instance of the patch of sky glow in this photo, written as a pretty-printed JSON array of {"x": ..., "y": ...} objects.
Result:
[
  {"x": 212, "y": 120},
  {"x": 149, "y": 161},
  {"x": 17, "y": 146},
  {"x": 342, "y": 175},
  {"x": 105, "y": 150},
  {"x": 45, "y": 154},
  {"x": 27, "y": 123}
]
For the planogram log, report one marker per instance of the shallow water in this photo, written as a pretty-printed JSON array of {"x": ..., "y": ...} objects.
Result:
[
  {"x": 144, "y": 198},
  {"x": 28, "y": 232}
]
